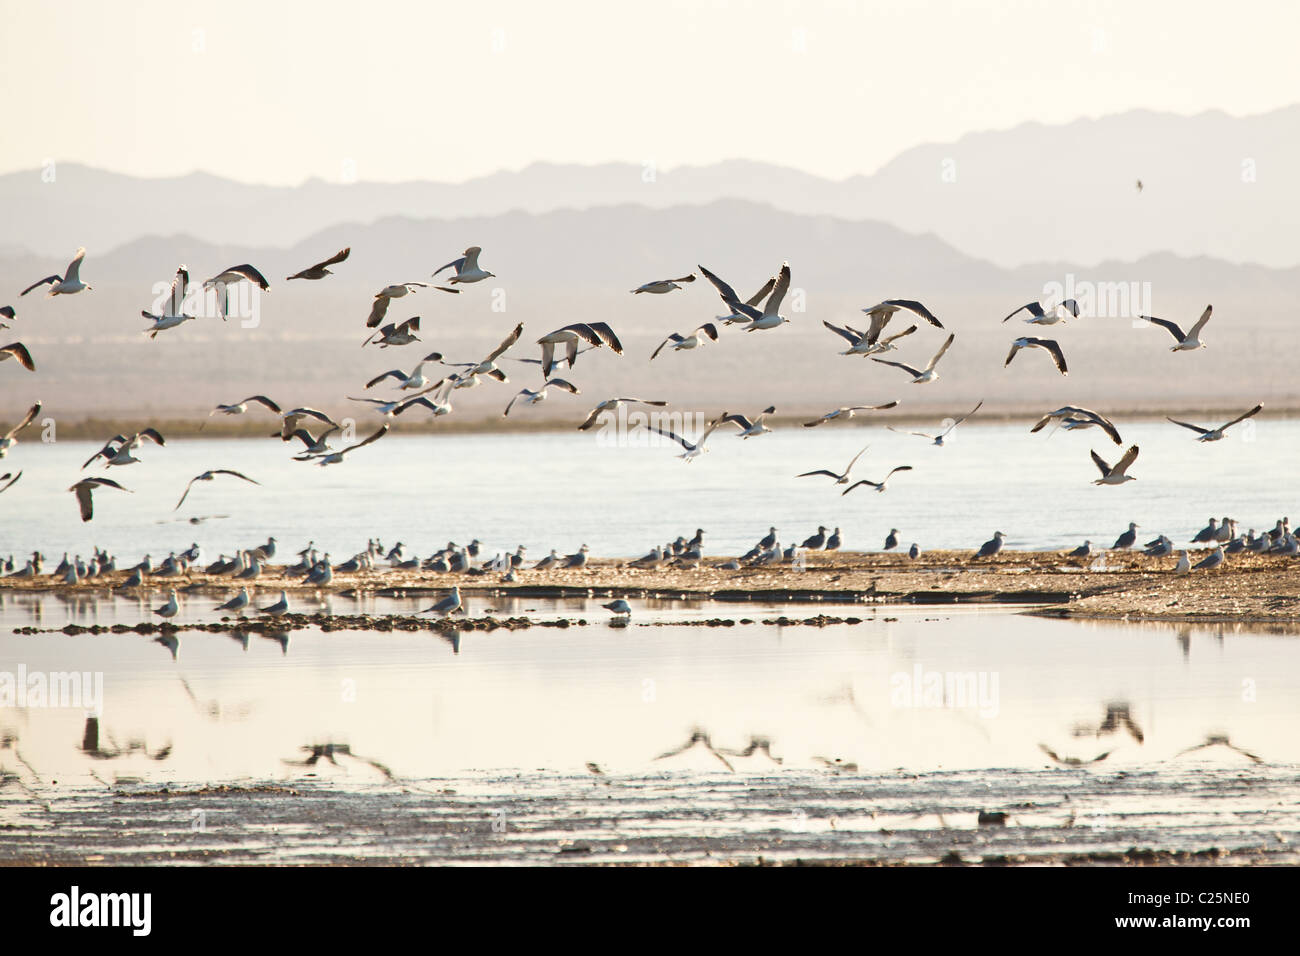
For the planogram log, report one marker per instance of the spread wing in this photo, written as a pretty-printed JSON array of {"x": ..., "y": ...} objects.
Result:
[{"x": 1172, "y": 327}]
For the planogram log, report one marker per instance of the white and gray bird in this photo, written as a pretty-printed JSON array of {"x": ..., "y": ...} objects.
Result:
[
  {"x": 612, "y": 405},
  {"x": 846, "y": 412},
  {"x": 693, "y": 340},
  {"x": 869, "y": 342},
  {"x": 1038, "y": 315},
  {"x": 67, "y": 284},
  {"x": 414, "y": 379},
  {"x": 1072, "y": 417},
  {"x": 488, "y": 366},
  {"x": 1187, "y": 341},
  {"x": 660, "y": 286},
  {"x": 990, "y": 547},
  {"x": 10, "y": 438},
  {"x": 1050, "y": 346},
  {"x": 279, "y": 607},
  {"x": 921, "y": 376},
  {"x": 594, "y": 334},
  {"x": 236, "y": 603},
  {"x": 1214, "y": 434},
  {"x": 18, "y": 352},
  {"x": 320, "y": 270},
  {"x": 171, "y": 607},
  {"x": 240, "y": 273},
  {"x": 1115, "y": 475},
  {"x": 395, "y": 333},
  {"x": 749, "y": 429},
  {"x": 1211, "y": 560},
  {"x": 840, "y": 478},
  {"x": 85, "y": 487},
  {"x": 466, "y": 267},
  {"x": 448, "y": 605},
  {"x": 173, "y": 309},
  {"x": 117, "y": 450},
  {"x": 878, "y": 485},
  {"x": 949, "y": 425},
  {"x": 693, "y": 449},
  {"x": 209, "y": 476}
]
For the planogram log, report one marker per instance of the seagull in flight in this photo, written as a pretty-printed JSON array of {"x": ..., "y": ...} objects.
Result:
[
  {"x": 173, "y": 313},
  {"x": 531, "y": 397},
  {"x": 613, "y": 404},
  {"x": 693, "y": 449},
  {"x": 117, "y": 450},
  {"x": 467, "y": 267},
  {"x": 238, "y": 408},
  {"x": 594, "y": 334},
  {"x": 240, "y": 273},
  {"x": 67, "y": 284},
  {"x": 1072, "y": 416},
  {"x": 840, "y": 479},
  {"x": 295, "y": 417},
  {"x": 939, "y": 438},
  {"x": 489, "y": 365},
  {"x": 868, "y": 342},
  {"x": 878, "y": 485},
  {"x": 415, "y": 379},
  {"x": 927, "y": 374},
  {"x": 395, "y": 334},
  {"x": 1041, "y": 316},
  {"x": 660, "y": 286},
  {"x": 379, "y": 307},
  {"x": 882, "y": 312},
  {"x": 1115, "y": 475},
  {"x": 209, "y": 476},
  {"x": 1209, "y": 434},
  {"x": 83, "y": 489},
  {"x": 770, "y": 317},
  {"x": 333, "y": 458},
  {"x": 1187, "y": 341},
  {"x": 320, "y": 270},
  {"x": 1051, "y": 346},
  {"x": 18, "y": 352},
  {"x": 9, "y": 480},
  {"x": 695, "y": 339},
  {"x": 848, "y": 411},
  {"x": 749, "y": 429},
  {"x": 9, "y": 439}
]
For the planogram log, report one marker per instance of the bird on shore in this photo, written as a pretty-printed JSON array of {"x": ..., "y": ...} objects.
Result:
[
  {"x": 1115, "y": 475},
  {"x": 1126, "y": 539},
  {"x": 594, "y": 334},
  {"x": 1187, "y": 341},
  {"x": 701, "y": 738},
  {"x": 693, "y": 449},
  {"x": 891, "y": 540},
  {"x": 412, "y": 380},
  {"x": 941, "y": 436},
  {"x": 833, "y": 542},
  {"x": 531, "y": 397},
  {"x": 448, "y": 605},
  {"x": 279, "y": 607},
  {"x": 173, "y": 308},
  {"x": 18, "y": 352},
  {"x": 878, "y": 485},
  {"x": 840, "y": 478},
  {"x": 85, "y": 487},
  {"x": 1209, "y": 533},
  {"x": 320, "y": 270},
  {"x": 1072, "y": 417},
  {"x": 749, "y": 429},
  {"x": 171, "y": 607},
  {"x": 10, "y": 438},
  {"x": 848, "y": 411},
  {"x": 209, "y": 476},
  {"x": 237, "y": 603},
  {"x": 927, "y": 374},
  {"x": 990, "y": 547},
  {"x": 240, "y": 273},
  {"x": 693, "y": 340},
  {"x": 868, "y": 342},
  {"x": 1184, "y": 563},
  {"x": 1050, "y": 346},
  {"x": 466, "y": 267},
  {"x": 67, "y": 284},
  {"x": 295, "y": 417},
  {"x": 619, "y": 608},
  {"x": 117, "y": 450},
  {"x": 1038, "y": 315},
  {"x": 1211, "y": 560},
  {"x": 660, "y": 286},
  {"x": 1215, "y": 434},
  {"x": 817, "y": 541},
  {"x": 1082, "y": 551},
  {"x": 576, "y": 560},
  {"x": 395, "y": 333}
]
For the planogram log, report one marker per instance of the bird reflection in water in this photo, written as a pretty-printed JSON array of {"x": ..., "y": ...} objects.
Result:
[
  {"x": 699, "y": 737},
  {"x": 1220, "y": 740},
  {"x": 91, "y": 747},
  {"x": 332, "y": 751}
]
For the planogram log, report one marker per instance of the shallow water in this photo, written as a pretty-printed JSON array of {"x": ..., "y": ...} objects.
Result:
[{"x": 560, "y": 490}]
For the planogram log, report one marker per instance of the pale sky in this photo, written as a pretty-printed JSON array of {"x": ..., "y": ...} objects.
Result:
[{"x": 277, "y": 92}]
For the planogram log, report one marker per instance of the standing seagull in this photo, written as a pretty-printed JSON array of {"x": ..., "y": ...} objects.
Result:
[
  {"x": 208, "y": 476},
  {"x": 594, "y": 334},
  {"x": 840, "y": 479},
  {"x": 878, "y": 485},
  {"x": 320, "y": 270},
  {"x": 467, "y": 268},
  {"x": 660, "y": 286},
  {"x": 939, "y": 438},
  {"x": 239, "y": 273},
  {"x": 748, "y": 429},
  {"x": 67, "y": 284},
  {"x": 694, "y": 340},
  {"x": 85, "y": 486},
  {"x": 279, "y": 607},
  {"x": 847, "y": 412},
  {"x": 1187, "y": 341},
  {"x": 990, "y": 547},
  {"x": 613, "y": 404},
  {"x": 693, "y": 449},
  {"x": 1126, "y": 539},
  {"x": 1210, "y": 561},
  {"x": 8, "y": 439},
  {"x": 18, "y": 352},
  {"x": 1040, "y": 316},
  {"x": 448, "y": 605},
  {"x": 171, "y": 607},
  {"x": 927, "y": 374},
  {"x": 1051, "y": 346},
  {"x": 1115, "y": 475},
  {"x": 1214, "y": 434}
]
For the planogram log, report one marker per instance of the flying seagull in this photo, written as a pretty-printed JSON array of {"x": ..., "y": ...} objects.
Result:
[
  {"x": 878, "y": 485},
  {"x": 695, "y": 339},
  {"x": 1214, "y": 434},
  {"x": 748, "y": 429},
  {"x": 395, "y": 334},
  {"x": 18, "y": 351},
  {"x": 939, "y": 438},
  {"x": 173, "y": 312},
  {"x": 847, "y": 412},
  {"x": 415, "y": 379},
  {"x": 840, "y": 479},
  {"x": 733, "y": 301},
  {"x": 333, "y": 458},
  {"x": 1041, "y": 316},
  {"x": 660, "y": 286},
  {"x": 467, "y": 268},
  {"x": 295, "y": 417},
  {"x": 927, "y": 374},
  {"x": 1051, "y": 346},
  {"x": 1187, "y": 341},
  {"x": 1115, "y": 475},
  {"x": 240, "y": 273},
  {"x": 531, "y": 397},
  {"x": 208, "y": 476},
  {"x": 67, "y": 284},
  {"x": 8, "y": 439},
  {"x": 612, "y": 404},
  {"x": 9, "y": 480},
  {"x": 770, "y": 317},
  {"x": 85, "y": 486},
  {"x": 693, "y": 449},
  {"x": 117, "y": 450},
  {"x": 238, "y": 408},
  {"x": 489, "y": 365},
  {"x": 320, "y": 270},
  {"x": 1072, "y": 416},
  {"x": 868, "y": 342},
  {"x": 884, "y": 311},
  {"x": 594, "y": 334},
  {"x": 448, "y": 605}
]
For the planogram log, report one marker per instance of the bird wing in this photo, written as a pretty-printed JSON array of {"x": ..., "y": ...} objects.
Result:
[
  {"x": 672, "y": 338},
  {"x": 743, "y": 423},
  {"x": 911, "y": 305},
  {"x": 1173, "y": 328},
  {"x": 758, "y": 296},
  {"x": 19, "y": 352},
  {"x": 939, "y": 354},
  {"x": 153, "y": 435},
  {"x": 508, "y": 341},
  {"x": 843, "y": 333},
  {"x": 180, "y": 283},
  {"x": 375, "y": 437},
  {"x": 82, "y": 492},
  {"x": 263, "y": 400},
  {"x": 454, "y": 264},
  {"x": 674, "y": 436},
  {"x": 897, "y": 335},
  {"x": 709, "y": 329},
  {"x": 1053, "y": 347},
  {"x": 516, "y": 398},
  {"x": 548, "y": 358},
  {"x": 74, "y": 267},
  {"x": 819, "y": 471},
  {"x": 1240, "y": 418},
  {"x": 899, "y": 468},
  {"x": 36, "y": 410},
  {"x": 914, "y": 372},
  {"x": 977, "y": 407},
  {"x": 856, "y": 484},
  {"x": 1034, "y": 309},
  {"x": 1196, "y": 428},
  {"x": 855, "y": 460},
  {"x": 606, "y": 335},
  {"x": 565, "y": 385},
  {"x": 184, "y": 496},
  {"x": 334, "y": 259},
  {"x": 227, "y": 471},
  {"x": 1130, "y": 456},
  {"x": 251, "y": 274},
  {"x": 591, "y": 419},
  {"x": 37, "y": 285},
  {"x": 1100, "y": 463},
  {"x": 728, "y": 293},
  {"x": 773, "y": 305},
  {"x": 1200, "y": 323},
  {"x": 378, "y": 309},
  {"x": 1071, "y": 306}
]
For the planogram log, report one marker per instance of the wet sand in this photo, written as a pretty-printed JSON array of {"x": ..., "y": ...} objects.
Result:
[{"x": 1248, "y": 588}]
